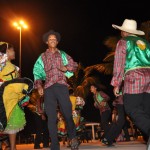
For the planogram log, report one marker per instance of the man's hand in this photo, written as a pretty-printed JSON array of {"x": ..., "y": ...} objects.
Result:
[
  {"x": 40, "y": 91},
  {"x": 63, "y": 68},
  {"x": 116, "y": 91},
  {"x": 43, "y": 117},
  {"x": 103, "y": 103},
  {"x": 95, "y": 105}
]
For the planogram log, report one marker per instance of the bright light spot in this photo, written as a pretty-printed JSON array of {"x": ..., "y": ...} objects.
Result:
[
  {"x": 25, "y": 26},
  {"x": 15, "y": 24},
  {"x": 18, "y": 27},
  {"x": 21, "y": 22}
]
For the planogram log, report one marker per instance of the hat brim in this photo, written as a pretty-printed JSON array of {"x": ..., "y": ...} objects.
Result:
[{"x": 137, "y": 32}]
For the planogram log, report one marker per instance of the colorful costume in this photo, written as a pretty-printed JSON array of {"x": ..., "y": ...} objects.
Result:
[
  {"x": 132, "y": 63},
  {"x": 39, "y": 72},
  {"x": 77, "y": 106},
  {"x": 132, "y": 66},
  {"x": 99, "y": 98},
  {"x": 56, "y": 92},
  {"x": 101, "y": 102},
  {"x": 13, "y": 97}
]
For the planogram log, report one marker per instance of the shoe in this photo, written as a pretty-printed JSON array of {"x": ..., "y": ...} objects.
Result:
[
  {"x": 106, "y": 142},
  {"x": 74, "y": 143},
  {"x": 148, "y": 144},
  {"x": 46, "y": 147},
  {"x": 37, "y": 147}
]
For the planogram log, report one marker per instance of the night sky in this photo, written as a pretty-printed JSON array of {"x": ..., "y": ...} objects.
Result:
[{"x": 83, "y": 25}]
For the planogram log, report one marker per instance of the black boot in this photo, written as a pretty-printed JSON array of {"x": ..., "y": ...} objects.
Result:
[
  {"x": 74, "y": 144},
  {"x": 106, "y": 142}
]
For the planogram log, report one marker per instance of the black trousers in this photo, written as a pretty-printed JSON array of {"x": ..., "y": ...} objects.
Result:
[
  {"x": 105, "y": 118},
  {"x": 137, "y": 106},
  {"x": 125, "y": 129},
  {"x": 115, "y": 128},
  {"x": 53, "y": 95},
  {"x": 42, "y": 134}
]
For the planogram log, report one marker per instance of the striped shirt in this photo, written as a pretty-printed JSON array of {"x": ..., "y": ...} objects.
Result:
[{"x": 135, "y": 81}]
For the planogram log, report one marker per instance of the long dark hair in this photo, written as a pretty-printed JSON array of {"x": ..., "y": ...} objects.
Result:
[{"x": 5, "y": 46}]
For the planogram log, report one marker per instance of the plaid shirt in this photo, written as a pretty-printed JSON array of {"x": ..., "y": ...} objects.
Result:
[
  {"x": 135, "y": 81},
  {"x": 52, "y": 64},
  {"x": 98, "y": 105}
]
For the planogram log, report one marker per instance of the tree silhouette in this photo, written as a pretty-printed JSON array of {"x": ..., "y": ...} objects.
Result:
[{"x": 107, "y": 66}]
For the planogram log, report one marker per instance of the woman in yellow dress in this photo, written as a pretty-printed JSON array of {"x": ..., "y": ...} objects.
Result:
[
  {"x": 13, "y": 94},
  {"x": 77, "y": 105}
]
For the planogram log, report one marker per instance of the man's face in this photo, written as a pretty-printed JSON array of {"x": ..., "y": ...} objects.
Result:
[
  {"x": 11, "y": 54},
  {"x": 124, "y": 34},
  {"x": 52, "y": 41}
]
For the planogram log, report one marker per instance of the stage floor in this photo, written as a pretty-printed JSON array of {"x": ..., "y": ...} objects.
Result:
[{"x": 96, "y": 145}]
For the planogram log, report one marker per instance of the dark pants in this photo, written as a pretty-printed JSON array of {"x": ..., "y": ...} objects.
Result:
[
  {"x": 116, "y": 127},
  {"x": 105, "y": 118},
  {"x": 125, "y": 129},
  {"x": 42, "y": 134},
  {"x": 54, "y": 94},
  {"x": 137, "y": 106}
]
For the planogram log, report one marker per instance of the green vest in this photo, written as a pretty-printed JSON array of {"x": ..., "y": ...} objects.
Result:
[{"x": 137, "y": 53}]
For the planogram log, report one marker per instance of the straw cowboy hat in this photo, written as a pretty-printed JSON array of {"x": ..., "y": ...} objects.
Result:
[{"x": 129, "y": 26}]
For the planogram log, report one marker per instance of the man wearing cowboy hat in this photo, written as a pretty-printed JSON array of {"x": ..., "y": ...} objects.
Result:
[
  {"x": 132, "y": 64},
  {"x": 53, "y": 66}
]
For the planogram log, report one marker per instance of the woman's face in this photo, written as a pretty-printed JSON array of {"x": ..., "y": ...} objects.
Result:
[
  {"x": 10, "y": 53},
  {"x": 93, "y": 89}
]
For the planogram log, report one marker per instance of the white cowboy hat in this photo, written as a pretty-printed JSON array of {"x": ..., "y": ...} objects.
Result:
[{"x": 129, "y": 26}]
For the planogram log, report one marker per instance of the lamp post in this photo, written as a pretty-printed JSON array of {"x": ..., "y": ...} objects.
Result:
[{"x": 20, "y": 25}]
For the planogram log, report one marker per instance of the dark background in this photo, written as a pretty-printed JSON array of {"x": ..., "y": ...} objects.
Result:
[{"x": 83, "y": 25}]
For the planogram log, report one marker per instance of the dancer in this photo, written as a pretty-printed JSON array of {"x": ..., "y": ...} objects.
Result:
[
  {"x": 14, "y": 95},
  {"x": 132, "y": 64},
  {"x": 77, "y": 105},
  {"x": 40, "y": 119},
  {"x": 118, "y": 122},
  {"x": 53, "y": 66},
  {"x": 101, "y": 102}
]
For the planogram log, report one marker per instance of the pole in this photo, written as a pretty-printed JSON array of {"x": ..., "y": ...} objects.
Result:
[{"x": 20, "y": 54}]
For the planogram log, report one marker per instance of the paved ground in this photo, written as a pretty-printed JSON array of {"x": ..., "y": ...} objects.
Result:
[{"x": 96, "y": 145}]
